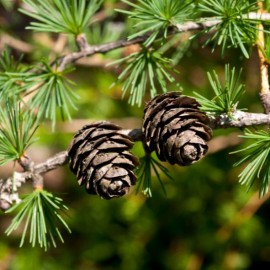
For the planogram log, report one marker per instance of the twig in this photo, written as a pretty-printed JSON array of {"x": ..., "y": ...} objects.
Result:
[
  {"x": 52, "y": 163},
  {"x": 264, "y": 92},
  {"x": 239, "y": 119},
  {"x": 263, "y": 62},
  {"x": 9, "y": 187},
  {"x": 88, "y": 50}
]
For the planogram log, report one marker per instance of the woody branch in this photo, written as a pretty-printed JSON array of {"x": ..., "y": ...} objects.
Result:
[
  {"x": 85, "y": 49},
  {"x": 9, "y": 187}
]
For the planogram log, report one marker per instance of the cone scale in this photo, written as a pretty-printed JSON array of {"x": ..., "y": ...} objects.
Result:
[
  {"x": 99, "y": 156},
  {"x": 175, "y": 128}
]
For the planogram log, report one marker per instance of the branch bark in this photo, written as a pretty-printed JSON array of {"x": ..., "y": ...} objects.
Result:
[
  {"x": 239, "y": 119},
  {"x": 264, "y": 64},
  {"x": 9, "y": 187}
]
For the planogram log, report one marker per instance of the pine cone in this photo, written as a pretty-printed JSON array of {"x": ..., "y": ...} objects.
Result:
[
  {"x": 100, "y": 159},
  {"x": 175, "y": 128}
]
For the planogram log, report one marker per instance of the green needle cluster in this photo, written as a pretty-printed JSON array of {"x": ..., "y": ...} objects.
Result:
[
  {"x": 257, "y": 157},
  {"x": 61, "y": 16},
  {"x": 39, "y": 214},
  {"x": 156, "y": 17},
  {"x": 17, "y": 127},
  {"x": 146, "y": 69},
  {"x": 227, "y": 95},
  {"x": 235, "y": 28},
  {"x": 148, "y": 165}
]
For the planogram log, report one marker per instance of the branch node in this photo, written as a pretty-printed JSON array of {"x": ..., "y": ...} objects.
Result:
[
  {"x": 81, "y": 42},
  {"x": 26, "y": 162}
]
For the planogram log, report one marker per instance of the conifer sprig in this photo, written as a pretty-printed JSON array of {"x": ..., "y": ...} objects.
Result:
[
  {"x": 145, "y": 69},
  {"x": 156, "y": 16},
  {"x": 258, "y": 156},
  {"x": 41, "y": 215},
  {"x": 52, "y": 92},
  {"x": 235, "y": 28},
  {"x": 17, "y": 127},
  {"x": 12, "y": 75},
  {"x": 227, "y": 95},
  {"x": 61, "y": 16},
  {"x": 149, "y": 166}
]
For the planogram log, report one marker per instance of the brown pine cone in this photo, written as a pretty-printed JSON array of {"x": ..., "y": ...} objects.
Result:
[
  {"x": 175, "y": 128},
  {"x": 100, "y": 159}
]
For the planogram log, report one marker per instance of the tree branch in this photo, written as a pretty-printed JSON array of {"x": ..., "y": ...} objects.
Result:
[
  {"x": 93, "y": 49},
  {"x": 52, "y": 163},
  {"x": 86, "y": 49},
  {"x": 239, "y": 119},
  {"x": 264, "y": 92},
  {"x": 9, "y": 187}
]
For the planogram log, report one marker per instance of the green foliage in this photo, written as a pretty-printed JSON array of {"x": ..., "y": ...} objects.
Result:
[
  {"x": 39, "y": 212},
  {"x": 157, "y": 16},
  {"x": 148, "y": 165},
  {"x": 61, "y": 16},
  {"x": 12, "y": 75},
  {"x": 17, "y": 127},
  {"x": 235, "y": 28},
  {"x": 226, "y": 96},
  {"x": 48, "y": 88},
  {"x": 8, "y": 4},
  {"x": 52, "y": 91},
  {"x": 7, "y": 61},
  {"x": 145, "y": 67},
  {"x": 258, "y": 155}
]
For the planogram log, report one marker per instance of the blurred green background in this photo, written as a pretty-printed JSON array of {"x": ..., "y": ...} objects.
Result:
[{"x": 205, "y": 221}]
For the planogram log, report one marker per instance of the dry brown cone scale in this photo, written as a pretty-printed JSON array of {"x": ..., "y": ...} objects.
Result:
[
  {"x": 176, "y": 129},
  {"x": 100, "y": 158},
  {"x": 173, "y": 127}
]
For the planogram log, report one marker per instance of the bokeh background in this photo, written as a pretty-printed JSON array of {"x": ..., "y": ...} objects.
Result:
[{"x": 206, "y": 220}]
